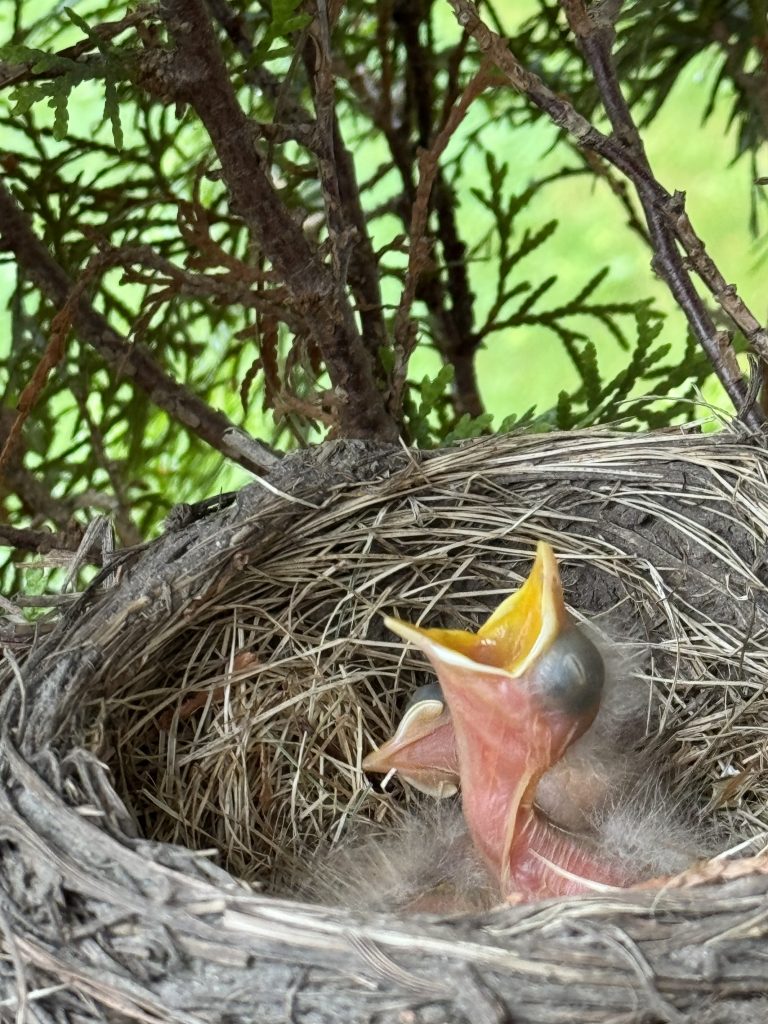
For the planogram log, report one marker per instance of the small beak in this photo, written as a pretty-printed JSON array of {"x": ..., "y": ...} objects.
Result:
[
  {"x": 423, "y": 750},
  {"x": 519, "y": 691}
]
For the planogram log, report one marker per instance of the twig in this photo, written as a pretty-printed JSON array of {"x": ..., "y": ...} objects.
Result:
[
  {"x": 41, "y": 541},
  {"x": 448, "y": 298},
  {"x": 344, "y": 209},
  {"x": 724, "y": 293},
  {"x": 48, "y": 361},
  {"x": 126, "y": 527},
  {"x": 420, "y": 245},
  {"x": 596, "y": 37},
  {"x": 618, "y": 186},
  {"x": 194, "y": 73},
  {"x": 128, "y": 362},
  {"x": 457, "y": 336},
  {"x": 363, "y": 264},
  {"x": 13, "y": 74},
  {"x": 623, "y": 151},
  {"x": 324, "y": 94}
]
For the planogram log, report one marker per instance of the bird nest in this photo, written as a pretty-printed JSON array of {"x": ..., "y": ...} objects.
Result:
[{"x": 181, "y": 752}]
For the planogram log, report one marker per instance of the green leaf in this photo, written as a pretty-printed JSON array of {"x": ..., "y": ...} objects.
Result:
[
  {"x": 282, "y": 10},
  {"x": 58, "y": 100},
  {"x": 468, "y": 426},
  {"x": 564, "y": 411},
  {"x": 112, "y": 109},
  {"x": 432, "y": 388},
  {"x": 386, "y": 358},
  {"x": 508, "y": 423},
  {"x": 25, "y": 96},
  {"x": 15, "y": 54},
  {"x": 81, "y": 23},
  {"x": 591, "y": 374}
]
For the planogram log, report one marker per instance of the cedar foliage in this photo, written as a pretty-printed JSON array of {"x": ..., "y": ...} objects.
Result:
[{"x": 267, "y": 221}]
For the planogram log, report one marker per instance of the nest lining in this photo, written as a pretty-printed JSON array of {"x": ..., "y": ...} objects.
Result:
[
  {"x": 237, "y": 677},
  {"x": 244, "y": 730}
]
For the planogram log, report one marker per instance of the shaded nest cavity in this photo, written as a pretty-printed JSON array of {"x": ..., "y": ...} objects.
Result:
[{"x": 211, "y": 709}]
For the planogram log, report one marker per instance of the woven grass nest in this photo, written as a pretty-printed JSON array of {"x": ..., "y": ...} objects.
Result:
[{"x": 188, "y": 739}]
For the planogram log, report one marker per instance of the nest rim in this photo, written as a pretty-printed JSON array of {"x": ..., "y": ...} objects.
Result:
[{"x": 47, "y": 782}]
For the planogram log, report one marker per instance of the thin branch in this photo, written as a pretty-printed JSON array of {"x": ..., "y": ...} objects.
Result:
[
  {"x": 667, "y": 220},
  {"x": 363, "y": 266},
  {"x": 344, "y": 209},
  {"x": 618, "y": 186},
  {"x": 125, "y": 526},
  {"x": 127, "y": 361},
  {"x": 325, "y": 101},
  {"x": 194, "y": 73},
  {"x": 725, "y": 294},
  {"x": 450, "y": 308},
  {"x": 14, "y": 74},
  {"x": 457, "y": 336},
  {"x": 420, "y": 246},
  {"x": 42, "y": 542},
  {"x": 753, "y": 83},
  {"x": 48, "y": 361},
  {"x": 623, "y": 151}
]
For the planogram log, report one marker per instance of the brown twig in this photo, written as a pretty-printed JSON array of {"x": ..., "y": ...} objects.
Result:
[
  {"x": 340, "y": 238},
  {"x": 128, "y": 362},
  {"x": 125, "y": 526},
  {"x": 362, "y": 268},
  {"x": 753, "y": 83},
  {"x": 346, "y": 218},
  {"x": 14, "y": 74},
  {"x": 194, "y": 73},
  {"x": 457, "y": 336},
  {"x": 624, "y": 151},
  {"x": 618, "y": 186},
  {"x": 449, "y": 300},
  {"x": 235, "y": 286},
  {"x": 420, "y": 244},
  {"x": 669, "y": 219},
  {"x": 50, "y": 359},
  {"x": 41, "y": 541}
]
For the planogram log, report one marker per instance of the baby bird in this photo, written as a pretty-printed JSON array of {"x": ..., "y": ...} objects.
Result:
[{"x": 504, "y": 725}]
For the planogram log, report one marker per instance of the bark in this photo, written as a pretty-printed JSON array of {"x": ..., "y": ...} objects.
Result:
[
  {"x": 196, "y": 74},
  {"x": 664, "y": 212}
]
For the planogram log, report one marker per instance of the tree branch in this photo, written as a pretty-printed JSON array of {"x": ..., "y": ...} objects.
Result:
[
  {"x": 668, "y": 220},
  {"x": 450, "y": 308},
  {"x": 341, "y": 187},
  {"x": 419, "y": 253},
  {"x": 625, "y": 152},
  {"x": 194, "y": 73},
  {"x": 15, "y": 74},
  {"x": 457, "y": 336},
  {"x": 363, "y": 266},
  {"x": 128, "y": 362},
  {"x": 42, "y": 542}
]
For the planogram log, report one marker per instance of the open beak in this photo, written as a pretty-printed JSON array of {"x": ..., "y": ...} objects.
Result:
[
  {"x": 519, "y": 691},
  {"x": 423, "y": 750}
]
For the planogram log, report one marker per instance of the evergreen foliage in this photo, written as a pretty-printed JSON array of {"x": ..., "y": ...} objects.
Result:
[{"x": 324, "y": 257}]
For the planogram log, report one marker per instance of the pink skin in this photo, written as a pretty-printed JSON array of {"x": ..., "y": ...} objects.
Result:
[
  {"x": 499, "y": 735},
  {"x": 423, "y": 753},
  {"x": 505, "y": 742},
  {"x": 500, "y": 759}
]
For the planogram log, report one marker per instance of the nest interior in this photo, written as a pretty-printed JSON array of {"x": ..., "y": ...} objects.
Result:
[{"x": 237, "y": 674}]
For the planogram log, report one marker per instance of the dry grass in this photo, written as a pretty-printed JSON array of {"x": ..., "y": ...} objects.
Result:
[{"x": 243, "y": 725}]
